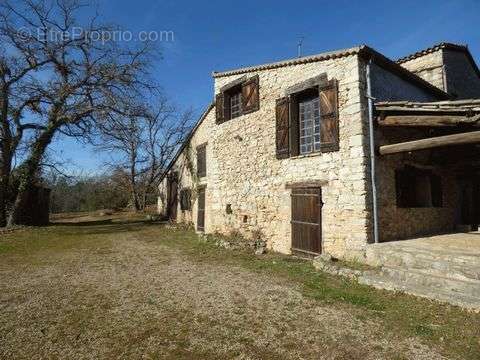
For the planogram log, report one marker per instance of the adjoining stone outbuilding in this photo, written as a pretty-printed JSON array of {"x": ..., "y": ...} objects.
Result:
[{"x": 284, "y": 151}]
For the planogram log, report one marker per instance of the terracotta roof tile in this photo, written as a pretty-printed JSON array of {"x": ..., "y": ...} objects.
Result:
[{"x": 432, "y": 49}]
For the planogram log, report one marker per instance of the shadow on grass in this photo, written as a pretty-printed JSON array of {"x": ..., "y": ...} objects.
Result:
[
  {"x": 102, "y": 227},
  {"x": 82, "y": 223},
  {"x": 109, "y": 221}
]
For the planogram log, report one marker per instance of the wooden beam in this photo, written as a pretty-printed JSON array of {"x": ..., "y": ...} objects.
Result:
[
  {"x": 428, "y": 120},
  {"x": 439, "y": 141}
]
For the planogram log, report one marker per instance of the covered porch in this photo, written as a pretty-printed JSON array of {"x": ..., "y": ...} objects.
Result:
[
  {"x": 428, "y": 171},
  {"x": 428, "y": 200}
]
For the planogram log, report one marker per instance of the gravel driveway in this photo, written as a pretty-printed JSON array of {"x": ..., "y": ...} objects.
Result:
[{"x": 126, "y": 294}]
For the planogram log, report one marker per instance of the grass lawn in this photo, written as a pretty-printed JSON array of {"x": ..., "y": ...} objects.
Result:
[{"x": 116, "y": 287}]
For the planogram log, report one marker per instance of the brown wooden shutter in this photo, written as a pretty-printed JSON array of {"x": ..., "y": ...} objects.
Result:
[
  {"x": 329, "y": 131},
  {"x": 201, "y": 161},
  {"x": 282, "y": 127},
  {"x": 227, "y": 113},
  {"x": 250, "y": 95},
  {"x": 219, "y": 108}
]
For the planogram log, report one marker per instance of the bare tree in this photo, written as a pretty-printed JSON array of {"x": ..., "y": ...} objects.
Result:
[
  {"x": 20, "y": 57},
  {"x": 144, "y": 145},
  {"x": 71, "y": 81}
]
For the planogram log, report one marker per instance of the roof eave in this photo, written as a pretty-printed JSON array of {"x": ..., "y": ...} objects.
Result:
[
  {"x": 296, "y": 61},
  {"x": 187, "y": 140},
  {"x": 367, "y": 53}
]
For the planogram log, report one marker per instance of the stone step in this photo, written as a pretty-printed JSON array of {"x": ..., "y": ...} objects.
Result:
[
  {"x": 469, "y": 287},
  {"x": 421, "y": 283},
  {"x": 455, "y": 266}
]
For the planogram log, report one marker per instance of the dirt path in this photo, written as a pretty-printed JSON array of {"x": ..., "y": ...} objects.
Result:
[{"x": 125, "y": 297}]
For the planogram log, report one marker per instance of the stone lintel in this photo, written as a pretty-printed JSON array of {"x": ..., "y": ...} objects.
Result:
[
  {"x": 319, "y": 80},
  {"x": 233, "y": 83},
  {"x": 306, "y": 184}
]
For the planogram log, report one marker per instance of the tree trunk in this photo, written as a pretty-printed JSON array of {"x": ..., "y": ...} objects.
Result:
[
  {"x": 133, "y": 177},
  {"x": 6, "y": 155},
  {"x": 135, "y": 201},
  {"x": 5, "y": 171},
  {"x": 27, "y": 174}
]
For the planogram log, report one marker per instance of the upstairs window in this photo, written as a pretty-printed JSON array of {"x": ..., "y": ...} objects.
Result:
[
  {"x": 202, "y": 160},
  {"x": 235, "y": 106},
  {"x": 418, "y": 188},
  {"x": 237, "y": 98},
  {"x": 309, "y": 117}
]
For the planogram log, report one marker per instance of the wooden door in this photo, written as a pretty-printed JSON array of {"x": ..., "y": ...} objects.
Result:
[
  {"x": 201, "y": 210},
  {"x": 172, "y": 196},
  {"x": 307, "y": 220}
]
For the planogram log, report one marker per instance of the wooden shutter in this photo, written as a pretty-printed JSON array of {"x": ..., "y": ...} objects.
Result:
[
  {"x": 329, "y": 131},
  {"x": 219, "y": 108},
  {"x": 227, "y": 113},
  {"x": 282, "y": 111},
  {"x": 201, "y": 161},
  {"x": 250, "y": 95}
]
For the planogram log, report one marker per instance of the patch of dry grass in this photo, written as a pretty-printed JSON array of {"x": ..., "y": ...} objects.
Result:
[{"x": 116, "y": 287}]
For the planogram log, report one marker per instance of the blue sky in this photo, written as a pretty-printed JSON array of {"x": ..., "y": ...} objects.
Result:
[{"x": 220, "y": 35}]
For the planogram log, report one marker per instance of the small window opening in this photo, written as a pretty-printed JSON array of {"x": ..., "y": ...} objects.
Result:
[{"x": 418, "y": 188}]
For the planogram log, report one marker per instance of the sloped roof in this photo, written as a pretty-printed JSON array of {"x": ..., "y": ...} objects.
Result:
[
  {"x": 295, "y": 61},
  {"x": 442, "y": 46},
  {"x": 187, "y": 139},
  {"x": 432, "y": 49},
  {"x": 364, "y": 51}
]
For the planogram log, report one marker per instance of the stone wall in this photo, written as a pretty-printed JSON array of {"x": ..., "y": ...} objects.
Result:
[
  {"x": 462, "y": 79},
  {"x": 387, "y": 86},
  {"x": 243, "y": 172},
  {"x": 449, "y": 70},
  {"x": 429, "y": 67},
  {"x": 186, "y": 168},
  {"x": 397, "y": 223}
]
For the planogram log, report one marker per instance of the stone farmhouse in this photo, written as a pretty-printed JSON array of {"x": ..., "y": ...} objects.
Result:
[{"x": 333, "y": 152}]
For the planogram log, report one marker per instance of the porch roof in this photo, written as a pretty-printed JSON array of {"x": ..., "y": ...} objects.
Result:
[
  {"x": 463, "y": 115},
  {"x": 429, "y": 114}
]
